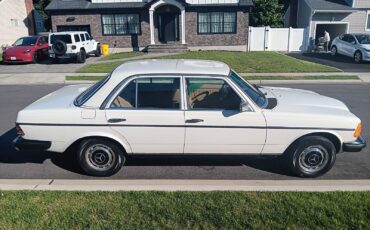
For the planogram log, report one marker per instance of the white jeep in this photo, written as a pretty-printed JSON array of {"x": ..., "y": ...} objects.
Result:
[{"x": 76, "y": 45}]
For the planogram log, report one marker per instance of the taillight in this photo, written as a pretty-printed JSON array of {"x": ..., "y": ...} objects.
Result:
[
  {"x": 74, "y": 47},
  {"x": 19, "y": 130}
]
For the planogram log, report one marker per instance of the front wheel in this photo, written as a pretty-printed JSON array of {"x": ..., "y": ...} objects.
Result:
[
  {"x": 97, "y": 52},
  {"x": 358, "y": 57},
  {"x": 311, "y": 156},
  {"x": 99, "y": 157},
  {"x": 334, "y": 51}
]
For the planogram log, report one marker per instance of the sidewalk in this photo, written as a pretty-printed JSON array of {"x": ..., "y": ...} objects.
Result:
[
  {"x": 188, "y": 185},
  {"x": 59, "y": 78}
]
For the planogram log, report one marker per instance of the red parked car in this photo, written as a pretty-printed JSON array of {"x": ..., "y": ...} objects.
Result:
[{"x": 27, "y": 49}]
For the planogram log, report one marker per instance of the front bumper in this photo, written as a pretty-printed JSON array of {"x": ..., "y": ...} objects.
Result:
[
  {"x": 30, "y": 145},
  {"x": 355, "y": 146}
]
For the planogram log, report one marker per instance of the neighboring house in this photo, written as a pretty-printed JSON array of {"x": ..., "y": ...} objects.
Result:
[
  {"x": 335, "y": 16},
  {"x": 16, "y": 20},
  {"x": 137, "y": 24}
]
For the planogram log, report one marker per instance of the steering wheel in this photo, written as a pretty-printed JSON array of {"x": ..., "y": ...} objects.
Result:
[{"x": 195, "y": 100}]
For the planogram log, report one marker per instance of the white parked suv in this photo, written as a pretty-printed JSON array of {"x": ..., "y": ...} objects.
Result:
[
  {"x": 76, "y": 45},
  {"x": 188, "y": 107}
]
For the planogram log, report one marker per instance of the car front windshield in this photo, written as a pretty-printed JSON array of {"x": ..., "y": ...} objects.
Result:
[
  {"x": 26, "y": 41},
  {"x": 254, "y": 93},
  {"x": 363, "y": 39},
  {"x": 87, "y": 94}
]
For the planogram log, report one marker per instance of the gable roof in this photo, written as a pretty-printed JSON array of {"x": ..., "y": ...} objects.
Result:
[
  {"x": 56, "y": 5},
  {"x": 329, "y": 5}
]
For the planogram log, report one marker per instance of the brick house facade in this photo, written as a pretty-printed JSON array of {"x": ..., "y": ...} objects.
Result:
[{"x": 199, "y": 24}]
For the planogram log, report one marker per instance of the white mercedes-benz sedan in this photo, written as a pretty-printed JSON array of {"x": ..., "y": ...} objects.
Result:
[{"x": 188, "y": 107}]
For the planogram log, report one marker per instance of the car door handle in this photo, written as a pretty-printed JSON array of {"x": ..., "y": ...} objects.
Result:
[
  {"x": 116, "y": 120},
  {"x": 194, "y": 121}
]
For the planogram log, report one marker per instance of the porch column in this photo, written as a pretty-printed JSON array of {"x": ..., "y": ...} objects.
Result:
[
  {"x": 151, "y": 21},
  {"x": 183, "y": 26}
]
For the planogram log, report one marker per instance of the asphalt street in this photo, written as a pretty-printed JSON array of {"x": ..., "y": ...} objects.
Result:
[
  {"x": 45, "y": 165},
  {"x": 341, "y": 62}
]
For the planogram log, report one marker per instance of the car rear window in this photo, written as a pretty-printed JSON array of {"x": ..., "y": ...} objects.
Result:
[
  {"x": 87, "y": 94},
  {"x": 66, "y": 38}
]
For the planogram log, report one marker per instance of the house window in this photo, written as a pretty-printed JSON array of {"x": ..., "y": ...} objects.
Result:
[
  {"x": 368, "y": 21},
  {"x": 217, "y": 23},
  {"x": 120, "y": 24}
]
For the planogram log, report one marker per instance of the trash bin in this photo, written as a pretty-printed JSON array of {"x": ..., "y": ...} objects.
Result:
[{"x": 105, "y": 49}]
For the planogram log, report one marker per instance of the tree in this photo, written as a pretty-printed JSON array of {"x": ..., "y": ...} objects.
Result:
[
  {"x": 40, "y": 6},
  {"x": 268, "y": 13}
]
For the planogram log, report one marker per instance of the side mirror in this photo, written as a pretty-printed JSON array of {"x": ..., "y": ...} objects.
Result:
[
  {"x": 244, "y": 107},
  {"x": 91, "y": 38},
  {"x": 354, "y": 42}
]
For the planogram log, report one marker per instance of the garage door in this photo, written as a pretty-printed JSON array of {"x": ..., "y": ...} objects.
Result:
[{"x": 74, "y": 28}]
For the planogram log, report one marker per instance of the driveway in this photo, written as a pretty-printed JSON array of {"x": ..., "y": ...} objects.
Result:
[
  {"x": 341, "y": 62},
  {"x": 48, "y": 165},
  {"x": 45, "y": 66}
]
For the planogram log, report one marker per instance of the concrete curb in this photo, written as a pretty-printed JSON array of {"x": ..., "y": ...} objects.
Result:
[{"x": 187, "y": 185}]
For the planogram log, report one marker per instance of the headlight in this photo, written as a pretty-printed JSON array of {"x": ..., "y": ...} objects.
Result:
[
  {"x": 27, "y": 51},
  {"x": 358, "y": 130}
]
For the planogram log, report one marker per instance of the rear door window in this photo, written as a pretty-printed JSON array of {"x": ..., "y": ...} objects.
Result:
[
  {"x": 150, "y": 93},
  {"x": 77, "y": 38},
  {"x": 58, "y": 37}
]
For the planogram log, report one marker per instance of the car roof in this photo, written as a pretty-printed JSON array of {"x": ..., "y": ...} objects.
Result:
[
  {"x": 172, "y": 66},
  {"x": 69, "y": 32}
]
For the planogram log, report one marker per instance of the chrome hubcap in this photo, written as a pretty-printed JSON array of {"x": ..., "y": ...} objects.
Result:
[
  {"x": 100, "y": 157},
  {"x": 313, "y": 158}
]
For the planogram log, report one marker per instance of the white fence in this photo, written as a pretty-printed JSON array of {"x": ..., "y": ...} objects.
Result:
[{"x": 277, "y": 39}]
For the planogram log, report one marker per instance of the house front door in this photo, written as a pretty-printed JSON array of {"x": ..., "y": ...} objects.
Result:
[{"x": 168, "y": 27}]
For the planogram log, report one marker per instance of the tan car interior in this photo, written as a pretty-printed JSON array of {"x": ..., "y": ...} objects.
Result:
[{"x": 150, "y": 95}]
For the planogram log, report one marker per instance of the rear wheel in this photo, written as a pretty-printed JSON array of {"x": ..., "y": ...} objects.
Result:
[
  {"x": 358, "y": 57},
  {"x": 81, "y": 57},
  {"x": 311, "y": 156},
  {"x": 100, "y": 157}
]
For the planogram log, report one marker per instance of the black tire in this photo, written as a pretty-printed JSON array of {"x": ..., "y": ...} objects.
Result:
[
  {"x": 334, "y": 51},
  {"x": 81, "y": 57},
  {"x": 59, "y": 47},
  {"x": 358, "y": 56},
  {"x": 100, "y": 157},
  {"x": 35, "y": 58},
  {"x": 97, "y": 52},
  {"x": 311, "y": 156}
]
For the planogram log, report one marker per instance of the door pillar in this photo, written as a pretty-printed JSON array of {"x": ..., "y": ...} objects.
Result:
[{"x": 151, "y": 21}]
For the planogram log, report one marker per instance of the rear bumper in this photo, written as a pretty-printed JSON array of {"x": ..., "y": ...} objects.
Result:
[
  {"x": 30, "y": 145},
  {"x": 355, "y": 146}
]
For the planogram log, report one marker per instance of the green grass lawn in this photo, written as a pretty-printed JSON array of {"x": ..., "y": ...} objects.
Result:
[
  {"x": 242, "y": 62},
  {"x": 184, "y": 210},
  {"x": 122, "y": 55},
  {"x": 323, "y": 77}
]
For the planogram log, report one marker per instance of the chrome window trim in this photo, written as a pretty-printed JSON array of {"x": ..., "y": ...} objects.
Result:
[
  {"x": 121, "y": 86},
  {"x": 219, "y": 77}
]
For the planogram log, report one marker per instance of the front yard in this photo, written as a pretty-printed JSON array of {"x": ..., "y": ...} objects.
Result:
[
  {"x": 184, "y": 210},
  {"x": 242, "y": 62}
]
